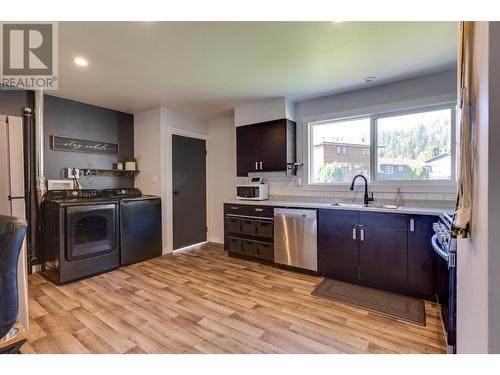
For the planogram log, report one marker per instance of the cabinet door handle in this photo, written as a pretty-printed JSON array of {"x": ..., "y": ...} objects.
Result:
[
  {"x": 354, "y": 233},
  {"x": 260, "y": 165},
  {"x": 256, "y": 165},
  {"x": 412, "y": 225},
  {"x": 362, "y": 234}
]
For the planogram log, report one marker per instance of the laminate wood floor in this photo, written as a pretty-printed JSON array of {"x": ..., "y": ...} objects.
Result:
[{"x": 202, "y": 301}]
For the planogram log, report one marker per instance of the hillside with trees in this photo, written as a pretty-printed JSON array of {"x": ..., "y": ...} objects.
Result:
[{"x": 421, "y": 142}]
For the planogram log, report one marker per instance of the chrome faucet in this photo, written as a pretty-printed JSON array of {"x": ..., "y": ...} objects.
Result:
[{"x": 366, "y": 198}]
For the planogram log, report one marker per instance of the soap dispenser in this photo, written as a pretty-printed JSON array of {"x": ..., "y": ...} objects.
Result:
[{"x": 398, "y": 199}]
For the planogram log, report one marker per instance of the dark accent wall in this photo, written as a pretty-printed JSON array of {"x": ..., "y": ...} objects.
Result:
[
  {"x": 78, "y": 120},
  {"x": 12, "y": 102}
]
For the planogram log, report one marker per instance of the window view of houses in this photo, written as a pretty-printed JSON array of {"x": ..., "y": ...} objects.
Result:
[{"x": 410, "y": 146}]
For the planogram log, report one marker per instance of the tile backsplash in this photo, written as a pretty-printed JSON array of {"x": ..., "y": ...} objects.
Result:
[{"x": 281, "y": 186}]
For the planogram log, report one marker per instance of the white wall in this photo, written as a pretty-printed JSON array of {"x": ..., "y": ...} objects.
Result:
[
  {"x": 478, "y": 266},
  {"x": 263, "y": 110},
  {"x": 222, "y": 172},
  {"x": 410, "y": 93},
  {"x": 147, "y": 146},
  {"x": 153, "y": 145},
  {"x": 179, "y": 120},
  {"x": 494, "y": 188},
  {"x": 472, "y": 263}
]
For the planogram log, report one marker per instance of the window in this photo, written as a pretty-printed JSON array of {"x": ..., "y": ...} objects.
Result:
[
  {"x": 420, "y": 143},
  {"x": 413, "y": 145},
  {"x": 341, "y": 150},
  {"x": 388, "y": 169},
  {"x": 332, "y": 162}
]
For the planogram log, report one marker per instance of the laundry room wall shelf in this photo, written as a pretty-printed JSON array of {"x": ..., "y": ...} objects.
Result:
[{"x": 107, "y": 172}]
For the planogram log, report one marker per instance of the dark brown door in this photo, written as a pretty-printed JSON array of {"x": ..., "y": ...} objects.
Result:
[
  {"x": 273, "y": 146},
  {"x": 248, "y": 147},
  {"x": 337, "y": 244},
  {"x": 189, "y": 191},
  {"x": 383, "y": 244}
]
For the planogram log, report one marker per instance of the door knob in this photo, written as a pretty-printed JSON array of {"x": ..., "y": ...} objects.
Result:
[{"x": 176, "y": 192}]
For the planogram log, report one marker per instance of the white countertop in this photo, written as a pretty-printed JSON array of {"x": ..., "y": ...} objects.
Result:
[{"x": 299, "y": 204}]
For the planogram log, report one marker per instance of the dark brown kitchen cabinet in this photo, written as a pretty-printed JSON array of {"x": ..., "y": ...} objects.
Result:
[
  {"x": 249, "y": 231},
  {"x": 382, "y": 250},
  {"x": 383, "y": 246},
  {"x": 265, "y": 147},
  {"x": 338, "y": 245},
  {"x": 421, "y": 256},
  {"x": 248, "y": 149}
]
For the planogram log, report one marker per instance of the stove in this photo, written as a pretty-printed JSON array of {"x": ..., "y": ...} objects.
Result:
[{"x": 444, "y": 243}]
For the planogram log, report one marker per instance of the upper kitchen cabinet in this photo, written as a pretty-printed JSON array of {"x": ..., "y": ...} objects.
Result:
[
  {"x": 265, "y": 147},
  {"x": 248, "y": 149}
]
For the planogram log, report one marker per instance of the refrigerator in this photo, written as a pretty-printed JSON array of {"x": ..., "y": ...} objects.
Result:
[{"x": 12, "y": 200}]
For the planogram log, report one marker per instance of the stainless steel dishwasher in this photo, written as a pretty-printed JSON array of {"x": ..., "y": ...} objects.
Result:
[{"x": 295, "y": 234}]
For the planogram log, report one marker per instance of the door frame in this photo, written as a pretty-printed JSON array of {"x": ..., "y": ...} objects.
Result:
[{"x": 168, "y": 207}]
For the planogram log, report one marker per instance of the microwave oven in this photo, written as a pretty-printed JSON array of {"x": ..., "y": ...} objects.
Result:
[{"x": 256, "y": 192}]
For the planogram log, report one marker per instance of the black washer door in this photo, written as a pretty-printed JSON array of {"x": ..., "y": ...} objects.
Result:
[{"x": 189, "y": 191}]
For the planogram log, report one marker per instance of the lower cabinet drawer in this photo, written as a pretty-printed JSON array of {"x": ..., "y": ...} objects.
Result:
[
  {"x": 264, "y": 229},
  {"x": 234, "y": 244},
  {"x": 249, "y": 247},
  {"x": 233, "y": 225},
  {"x": 248, "y": 227},
  {"x": 265, "y": 250}
]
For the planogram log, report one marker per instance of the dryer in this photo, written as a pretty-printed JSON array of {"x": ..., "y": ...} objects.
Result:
[{"x": 80, "y": 234}]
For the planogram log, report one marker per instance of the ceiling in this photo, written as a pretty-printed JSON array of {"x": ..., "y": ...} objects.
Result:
[{"x": 206, "y": 68}]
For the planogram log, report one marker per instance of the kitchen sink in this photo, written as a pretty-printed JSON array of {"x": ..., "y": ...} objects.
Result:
[
  {"x": 347, "y": 204},
  {"x": 390, "y": 206},
  {"x": 383, "y": 206}
]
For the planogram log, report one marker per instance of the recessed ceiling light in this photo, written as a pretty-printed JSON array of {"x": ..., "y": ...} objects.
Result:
[
  {"x": 80, "y": 61},
  {"x": 370, "y": 79}
]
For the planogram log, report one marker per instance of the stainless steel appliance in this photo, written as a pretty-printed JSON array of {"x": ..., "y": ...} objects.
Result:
[
  {"x": 295, "y": 238},
  {"x": 256, "y": 192},
  {"x": 140, "y": 225},
  {"x": 444, "y": 243},
  {"x": 80, "y": 234}
]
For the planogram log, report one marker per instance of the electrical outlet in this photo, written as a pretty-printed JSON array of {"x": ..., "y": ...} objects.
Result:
[{"x": 71, "y": 173}]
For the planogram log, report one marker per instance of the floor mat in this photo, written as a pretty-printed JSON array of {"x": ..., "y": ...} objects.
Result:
[{"x": 379, "y": 301}]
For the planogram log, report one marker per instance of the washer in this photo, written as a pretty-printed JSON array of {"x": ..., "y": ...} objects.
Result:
[
  {"x": 80, "y": 234},
  {"x": 140, "y": 225}
]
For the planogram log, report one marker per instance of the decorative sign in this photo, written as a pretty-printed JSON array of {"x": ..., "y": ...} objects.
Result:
[{"x": 81, "y": 145}]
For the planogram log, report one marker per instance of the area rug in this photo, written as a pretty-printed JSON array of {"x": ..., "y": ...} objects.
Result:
[{"x": 379, "y": 301}]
